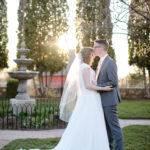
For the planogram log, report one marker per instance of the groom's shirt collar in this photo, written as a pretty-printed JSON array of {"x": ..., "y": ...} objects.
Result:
[{"x": 103, "y": 58}]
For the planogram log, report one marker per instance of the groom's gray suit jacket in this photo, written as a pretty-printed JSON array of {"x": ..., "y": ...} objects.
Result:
[{"x": 108, "y": 76}]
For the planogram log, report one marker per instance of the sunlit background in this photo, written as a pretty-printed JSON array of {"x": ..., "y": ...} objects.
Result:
[{"x": 67, "y": 41}]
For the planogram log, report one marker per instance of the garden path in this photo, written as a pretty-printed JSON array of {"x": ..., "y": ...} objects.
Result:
[{"x": 7, "y": 136}]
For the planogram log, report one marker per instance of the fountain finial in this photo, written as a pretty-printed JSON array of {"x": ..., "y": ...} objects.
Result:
[{"x": 23, "y": 44}]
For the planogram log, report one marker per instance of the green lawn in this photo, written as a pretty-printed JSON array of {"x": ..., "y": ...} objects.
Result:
[
  {"x": 26, "y": 144},
  {"x": 134, "y": 109},
  {"x": 136, "y": 137}
]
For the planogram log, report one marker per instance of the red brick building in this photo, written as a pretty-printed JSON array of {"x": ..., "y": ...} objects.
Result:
[{"x": 59, "y": 78}]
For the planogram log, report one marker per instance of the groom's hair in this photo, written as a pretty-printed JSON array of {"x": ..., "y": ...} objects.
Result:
[{"x": 103, "y": 42}]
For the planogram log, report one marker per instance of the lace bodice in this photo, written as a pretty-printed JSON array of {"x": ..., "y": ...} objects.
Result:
[
  {"x": 92, "y": 75},
  {"x": 92, "y": 72}
]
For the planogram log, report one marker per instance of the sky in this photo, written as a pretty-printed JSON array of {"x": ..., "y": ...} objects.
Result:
[{"x": 119, "y": 41}]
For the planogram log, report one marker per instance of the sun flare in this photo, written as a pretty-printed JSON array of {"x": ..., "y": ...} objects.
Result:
[{"x": 67, "y": 42}]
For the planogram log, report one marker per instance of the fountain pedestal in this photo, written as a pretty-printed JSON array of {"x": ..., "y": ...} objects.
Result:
[
  {"x": 22, "y": 101},
  {"x": 22, "y": 105}
]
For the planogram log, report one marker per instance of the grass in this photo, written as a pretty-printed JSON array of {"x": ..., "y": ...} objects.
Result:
[
  {"x": 136, "y": 137},
  {"x": 134, "y": 109},
  {"x": 26, "y": 144}
]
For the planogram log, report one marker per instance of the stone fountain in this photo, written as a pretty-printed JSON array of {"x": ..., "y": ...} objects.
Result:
[{"x": 22, "y": 101}]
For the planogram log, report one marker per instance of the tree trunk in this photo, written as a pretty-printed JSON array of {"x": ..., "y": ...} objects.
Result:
[
  {"x": 148, "y": 83},
  {"x": 49, "y": 84},
  {"x": 145, "y": 82},
  {"x": 149, "y": 77},
  {"x": 41, "y": 88},
  {"x": 147, "y": 93},
  {"x": 35, "y": 88}
]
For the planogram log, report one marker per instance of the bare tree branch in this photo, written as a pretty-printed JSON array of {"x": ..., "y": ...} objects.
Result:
[{"x": 136, "y": 10}]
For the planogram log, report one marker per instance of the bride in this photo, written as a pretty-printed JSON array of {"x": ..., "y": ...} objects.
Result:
[{"x": 81, "y": 107}]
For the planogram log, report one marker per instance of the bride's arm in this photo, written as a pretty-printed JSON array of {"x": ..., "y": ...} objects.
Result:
[{"x": 89, "y": 85}]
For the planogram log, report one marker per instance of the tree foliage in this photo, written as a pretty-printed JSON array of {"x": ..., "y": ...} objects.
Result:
[
  {"x": 139, "y": 7},
  {"x": 139, "y": 37},
  {"x": 93, "y": 21},
  {"x": 3, "y": 35},
  {"x": 45, "y": 22}
]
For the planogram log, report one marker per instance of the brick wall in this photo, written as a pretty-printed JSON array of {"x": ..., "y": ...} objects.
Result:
[
  {"x": 126, "y": 93},
  {"x": 132, "y": 93}
]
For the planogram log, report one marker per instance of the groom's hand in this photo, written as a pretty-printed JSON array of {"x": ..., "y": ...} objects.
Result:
[{"x": 108, "y": 88}]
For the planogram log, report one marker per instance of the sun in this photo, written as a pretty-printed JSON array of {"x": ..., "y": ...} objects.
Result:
[
  {"x": 67, "y": 42},
  {"x": 63, "y": 42}
]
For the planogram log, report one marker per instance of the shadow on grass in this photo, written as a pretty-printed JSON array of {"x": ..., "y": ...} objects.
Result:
[{"x": 136, "y": 137}]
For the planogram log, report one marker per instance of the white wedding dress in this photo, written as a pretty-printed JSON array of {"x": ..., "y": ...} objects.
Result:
[{"x": 86, "y": 129}]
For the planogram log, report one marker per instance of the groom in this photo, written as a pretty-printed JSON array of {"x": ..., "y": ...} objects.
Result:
[{"x": 106, "y": 75}]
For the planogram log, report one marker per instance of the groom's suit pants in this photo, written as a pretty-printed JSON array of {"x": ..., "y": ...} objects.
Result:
[{"x": 113, "y": 127}]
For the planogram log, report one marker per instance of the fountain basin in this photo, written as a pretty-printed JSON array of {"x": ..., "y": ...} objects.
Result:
[
  {"x": 23, "y": 75},
  {"x": 24, "y": 61}
]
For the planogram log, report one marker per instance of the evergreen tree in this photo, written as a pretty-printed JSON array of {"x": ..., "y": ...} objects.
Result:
[
  {"x": 139, "y": 39},
  {"x": 45, "y": 22},
  {"x": 3, "y": 35},
  {"x": 93, "y": 21}
]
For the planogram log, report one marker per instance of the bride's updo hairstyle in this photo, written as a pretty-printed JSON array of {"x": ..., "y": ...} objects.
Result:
[{"x": 86, "y": 54}]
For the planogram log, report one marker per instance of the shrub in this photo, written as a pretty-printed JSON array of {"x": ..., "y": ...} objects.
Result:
[{"x": 11, "y": 89}]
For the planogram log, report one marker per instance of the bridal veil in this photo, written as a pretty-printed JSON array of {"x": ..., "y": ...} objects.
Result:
[{"x": 71, "y": 89}]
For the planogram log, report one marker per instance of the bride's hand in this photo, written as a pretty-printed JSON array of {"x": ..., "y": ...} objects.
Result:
[{"x": 107, "y": 88}]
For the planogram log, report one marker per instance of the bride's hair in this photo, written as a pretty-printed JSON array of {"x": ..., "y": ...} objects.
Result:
[{"x": 86, "y": 52}]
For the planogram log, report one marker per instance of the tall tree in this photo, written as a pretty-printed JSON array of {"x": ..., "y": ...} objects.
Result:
[
  {"x": 45, "y": 22},
  {"x": 137, "y": 7},
  {"x": 93, "y": 21},
  {"x": 3, "y": 35},
  {"x": 139, "y": 39}
]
